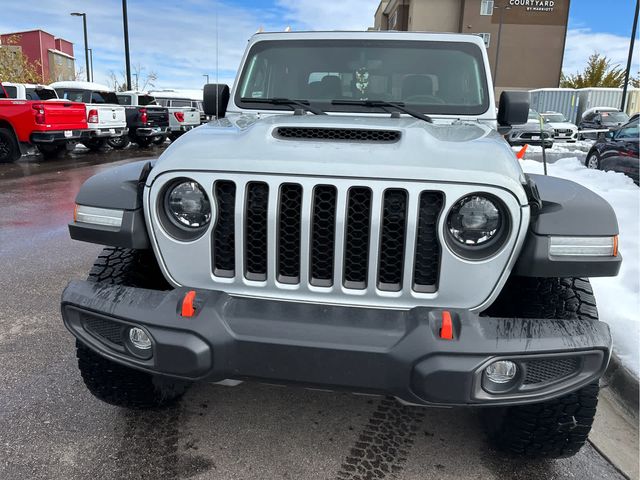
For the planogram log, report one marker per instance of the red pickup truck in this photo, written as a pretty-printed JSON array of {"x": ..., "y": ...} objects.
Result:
[{"x": 52, "y": 126}]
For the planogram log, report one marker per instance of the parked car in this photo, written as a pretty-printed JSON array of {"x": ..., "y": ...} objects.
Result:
[
  {"x": 529, "y": 132},
  {"x": 30, "y": 91},
  {"x": 562, "y": 128},
  {"x": 147, "y": 122},
  {"x": 52, "y": 126},
  {"x": 334, "y": 231},
  {"x": 617, "y": 151},
  {"x": 602, "y": 119},
  {"x": 105, "y": 117},
  {"x": 182, "y": 115}
]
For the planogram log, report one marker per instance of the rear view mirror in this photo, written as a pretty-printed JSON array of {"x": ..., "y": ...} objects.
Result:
[
  {"x": 215, "y": 99},
  {"x": 512, "y": 110}
]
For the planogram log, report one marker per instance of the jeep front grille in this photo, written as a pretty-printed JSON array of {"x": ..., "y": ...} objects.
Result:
[{"x": 327, "y": 235}]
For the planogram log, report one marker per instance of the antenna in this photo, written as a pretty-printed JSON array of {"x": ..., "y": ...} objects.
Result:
[{"x": 217, "y": 48}]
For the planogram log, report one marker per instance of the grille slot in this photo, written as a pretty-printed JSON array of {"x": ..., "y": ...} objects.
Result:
[
  {"x": 255, "y": 246},
  {"x": 323, "y": 235},
  {"x": 427, "y": 256},
  {"x": 539, "y": 371},
  {"x": 289, "y": 232},
  {"x": 392, "y": 239},
  {"x": 224, "y": 258},
  {"x": 357, "y": 238},
  {"x": 104, "y": 329},
  {"x": 340, "y": 134}
]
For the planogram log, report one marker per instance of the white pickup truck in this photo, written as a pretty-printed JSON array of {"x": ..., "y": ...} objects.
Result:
[
  {"x": 105, "y": 117},
  {"x": 182, "y": 115},
  {"x": 29, "y": 91}
]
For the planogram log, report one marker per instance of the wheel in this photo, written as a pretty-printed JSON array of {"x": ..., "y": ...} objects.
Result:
[
  {"x": 143, "y": 142},
  {"x": 593, "y": 161},
  {"x": 109, "y": 381},
  {"x": 548, "y": 145},
  {"x": 9, "y": 149},
  {"x": 95, "y": 144},
  {"x": 556, "y": 428},
  {"x": 119, "y": 142},
  {"x": 159, "y": 140},
  {"x": 52, "y": 151}
]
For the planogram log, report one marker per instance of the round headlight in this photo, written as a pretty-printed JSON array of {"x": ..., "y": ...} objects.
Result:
[
  {"x": 188, "y": 205},
  {"x": 474, "y": 220}
]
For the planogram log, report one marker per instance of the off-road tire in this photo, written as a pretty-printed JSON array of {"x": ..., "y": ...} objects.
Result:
[
  {"x": 143, "y": 142},
  {"x": 50, "y": 152},
  {"x": 95, "y": 144},
  {"x": 107, "y": 380},
  {"x": 159, "y": 140},
  {"x": 118, "y": 143},
  {"x": 9, "y": 149},
  {"x": 556, "y": 428}
]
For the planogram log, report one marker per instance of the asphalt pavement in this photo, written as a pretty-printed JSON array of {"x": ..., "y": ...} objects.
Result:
[{"x": 52, "y": 428}]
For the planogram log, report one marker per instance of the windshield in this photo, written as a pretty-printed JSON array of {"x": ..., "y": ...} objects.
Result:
[
  {"x": 554, "y": 117},
  {"x": 429, "y": 77},
  {"x": 614, "y": 117}
]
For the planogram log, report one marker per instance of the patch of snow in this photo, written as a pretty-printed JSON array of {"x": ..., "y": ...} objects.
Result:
[{"x": 618, "y": 298}]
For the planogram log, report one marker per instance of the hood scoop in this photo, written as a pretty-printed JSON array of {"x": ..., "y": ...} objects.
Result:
[{"x": 337, "y": 134}]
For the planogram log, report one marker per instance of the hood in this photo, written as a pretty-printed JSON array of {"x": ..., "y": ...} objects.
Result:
[
  {"x": 563, "y": 125},
  {"x": 458, "y": 152},
  {"x": 532, "y": 126}
]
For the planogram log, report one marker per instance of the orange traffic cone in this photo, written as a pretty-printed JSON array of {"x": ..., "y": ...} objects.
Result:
[{"x": 522, "y": 151}]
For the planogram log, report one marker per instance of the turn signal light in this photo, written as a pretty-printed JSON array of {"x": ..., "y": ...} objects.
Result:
[{"x": 92, "y": 117}]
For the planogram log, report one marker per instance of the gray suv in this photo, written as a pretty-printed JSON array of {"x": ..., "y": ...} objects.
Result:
[{"x": 352, "y": 219}]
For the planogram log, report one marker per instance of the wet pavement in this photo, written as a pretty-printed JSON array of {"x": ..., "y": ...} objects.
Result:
[{"x": 52, "y": 428}]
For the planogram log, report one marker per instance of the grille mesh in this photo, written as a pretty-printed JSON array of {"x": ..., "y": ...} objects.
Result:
[
  {"x": 427, "y": 260},
  {"x": 105, "y": 329},
  {"x": 539, "y": 371},
  {"x": 224, "y": 258},
  {"x": 392, "y": 240},
  {"x": 356, "y": 255},
  {"x": 256, "y": 231},
  {"x": 346, "y": 134},
  {"x": 323, "y": 235},
  {"x": 289, "y": 233}
]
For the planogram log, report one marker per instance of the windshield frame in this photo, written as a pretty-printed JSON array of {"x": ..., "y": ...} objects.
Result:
[{"x": 434, "y": 110}]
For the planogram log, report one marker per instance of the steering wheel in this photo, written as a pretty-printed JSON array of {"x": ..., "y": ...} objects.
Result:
[{"x": 428, "y": 99}]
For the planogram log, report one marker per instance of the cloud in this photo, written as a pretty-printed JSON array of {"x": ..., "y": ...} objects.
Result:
[
  {"x": 329, "y": 15},
  {"x": 582, "y": 42}
]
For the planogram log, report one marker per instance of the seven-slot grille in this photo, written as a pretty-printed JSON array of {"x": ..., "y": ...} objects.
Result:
[{"x": 324, "y": 233}]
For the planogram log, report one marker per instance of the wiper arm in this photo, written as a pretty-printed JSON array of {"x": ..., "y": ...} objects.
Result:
[
  {"x": 285, "y": 101},
  {"x": 381, "y": 103}
]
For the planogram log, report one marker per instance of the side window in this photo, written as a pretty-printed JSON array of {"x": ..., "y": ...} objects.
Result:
[
  {"x": 12, "y": 91},
  {"x": 124, "y": 100},
  {"x": 629, "y": 133}
]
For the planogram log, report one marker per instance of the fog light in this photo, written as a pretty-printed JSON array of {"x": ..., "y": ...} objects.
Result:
[
  {"x": 502, "y": 371},
  {"x": 139, "y": 338}
]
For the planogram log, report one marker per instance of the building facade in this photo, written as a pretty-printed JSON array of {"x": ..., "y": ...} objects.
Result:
[
  {"x": 525, "y": 39},
  {"x": 52, "y": 57}
]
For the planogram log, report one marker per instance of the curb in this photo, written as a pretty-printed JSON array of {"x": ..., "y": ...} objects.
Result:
[{"x": 624, "y": 383}]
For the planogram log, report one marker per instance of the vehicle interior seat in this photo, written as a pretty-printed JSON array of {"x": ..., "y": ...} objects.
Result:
[{"x": 329, "y": 88}]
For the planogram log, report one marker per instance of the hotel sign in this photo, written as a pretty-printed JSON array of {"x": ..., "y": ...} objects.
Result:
[{"x": 533, "y": 12}]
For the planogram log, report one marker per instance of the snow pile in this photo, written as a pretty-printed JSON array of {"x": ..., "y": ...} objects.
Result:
[{"x": 618, "y": 297}]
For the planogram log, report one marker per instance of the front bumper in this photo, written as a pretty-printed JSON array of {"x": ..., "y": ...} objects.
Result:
[
  {"x": 398, "y": 353},
  {"x": 57, "y": 136}
]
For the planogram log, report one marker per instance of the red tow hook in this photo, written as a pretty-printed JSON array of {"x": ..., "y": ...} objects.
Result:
[
  {"x": 188, "y": 310},
  {"x": 446, "y": 331}
]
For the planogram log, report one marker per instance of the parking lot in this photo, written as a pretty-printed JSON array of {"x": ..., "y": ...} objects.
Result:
[{"x": 51, "y": 427}]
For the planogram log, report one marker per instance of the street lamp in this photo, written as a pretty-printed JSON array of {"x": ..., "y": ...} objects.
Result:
[
  {"x": 136, "y": 75},
  {"x": 206, "y": 75},
  {"x": 631, "y": 43},
  {"x": 91, "y": 61},
  {"x": 495, "y": 64},
  {"x": 86, "y": 44},
  {"x": 127, "y": 60}
]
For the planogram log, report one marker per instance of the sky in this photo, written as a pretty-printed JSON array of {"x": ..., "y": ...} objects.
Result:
[{"x": 177, "y": 39}]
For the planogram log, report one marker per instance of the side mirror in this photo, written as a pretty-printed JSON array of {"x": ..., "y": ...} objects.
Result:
[
  {"x": 513, "y": 109},
  {"x": 215, "y": 99}
]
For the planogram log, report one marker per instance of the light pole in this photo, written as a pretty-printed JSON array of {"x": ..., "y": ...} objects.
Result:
[
  {"x": 91, "y": 61},
  {"x": 495, "y": 64},
  {"x": 136, "y": 80},
  {"x": 206, "y": 75},
  {"x": 127, "y": 60},
  {"x": 86, "y": 43},
  {"x": 633, "y": 39}
]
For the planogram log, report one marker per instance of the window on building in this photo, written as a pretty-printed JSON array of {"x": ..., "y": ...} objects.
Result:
[
  {"x": 486, "y": 37},
  {"x": 486, "y": 7}
]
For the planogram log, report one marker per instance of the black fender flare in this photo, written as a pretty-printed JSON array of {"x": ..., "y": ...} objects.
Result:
[
  {"x": 566, "y": 209},
  {"x": 119, "y": 188}
]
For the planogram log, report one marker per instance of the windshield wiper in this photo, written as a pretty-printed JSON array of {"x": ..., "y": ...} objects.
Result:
[
  {"x": 381, "y": 103},
  {"x": 304, "y": 104}
]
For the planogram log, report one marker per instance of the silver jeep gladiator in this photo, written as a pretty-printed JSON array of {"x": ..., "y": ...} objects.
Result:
[{"x": 352, "y": 219}]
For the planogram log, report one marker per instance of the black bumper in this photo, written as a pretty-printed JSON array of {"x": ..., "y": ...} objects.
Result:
[
  {"x": 58, "y": 136},
  {"x": 398, "y": 353},
  {"x": 150, "y": 131}
]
